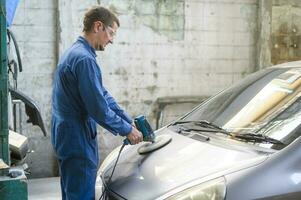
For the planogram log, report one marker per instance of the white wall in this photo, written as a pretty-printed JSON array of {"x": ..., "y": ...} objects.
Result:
[{"x": 216, "y": 46}]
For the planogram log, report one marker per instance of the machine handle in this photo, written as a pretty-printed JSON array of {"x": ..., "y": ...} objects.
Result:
[{"x": 126, "y": 141}]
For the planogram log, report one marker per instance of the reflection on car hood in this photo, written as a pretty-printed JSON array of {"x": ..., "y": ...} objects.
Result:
[{"x": 181, "y": 161}]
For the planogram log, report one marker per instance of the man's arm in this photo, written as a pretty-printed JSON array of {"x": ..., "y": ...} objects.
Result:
[
  {"x": 115, "y": 107},
  {"x": 92, "y": 94}
]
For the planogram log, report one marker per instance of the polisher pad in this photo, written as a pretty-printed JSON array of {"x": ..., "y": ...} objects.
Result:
[{"x": 159, "y": 142}]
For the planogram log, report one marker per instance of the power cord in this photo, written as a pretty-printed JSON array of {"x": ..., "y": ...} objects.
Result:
[{"x": 103, "y": 192}]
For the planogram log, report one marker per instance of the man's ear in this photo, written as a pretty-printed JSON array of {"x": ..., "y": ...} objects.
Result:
[
  {"x": 102, "y": 26},
  {"x": 96, "y": 27}
]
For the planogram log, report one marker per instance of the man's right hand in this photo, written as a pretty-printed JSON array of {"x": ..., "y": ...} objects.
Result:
[{"x": 135, "y": 136}]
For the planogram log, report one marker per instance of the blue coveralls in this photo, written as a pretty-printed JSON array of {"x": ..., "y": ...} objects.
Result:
[{"x": 79, "y": 101}]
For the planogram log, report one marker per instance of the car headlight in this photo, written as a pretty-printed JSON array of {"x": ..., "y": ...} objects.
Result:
[
  {"x": 210, "y": 190},
  {"x": 109, "y": 159}
]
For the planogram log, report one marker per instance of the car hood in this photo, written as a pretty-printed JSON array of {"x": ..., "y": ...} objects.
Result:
[{"x": 181, "y": 161}]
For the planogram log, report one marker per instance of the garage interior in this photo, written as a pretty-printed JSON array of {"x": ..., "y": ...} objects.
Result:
[{"x": 168, "y": 56}]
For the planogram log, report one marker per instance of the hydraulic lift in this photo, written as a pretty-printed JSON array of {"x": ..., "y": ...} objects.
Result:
[{"x": 13, "y": 182}]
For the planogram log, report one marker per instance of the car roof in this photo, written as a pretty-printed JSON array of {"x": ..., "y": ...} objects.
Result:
[{"x": 293, "y": 64}]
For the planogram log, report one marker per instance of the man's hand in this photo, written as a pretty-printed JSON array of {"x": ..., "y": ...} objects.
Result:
[{"x": 135, "y": 136}]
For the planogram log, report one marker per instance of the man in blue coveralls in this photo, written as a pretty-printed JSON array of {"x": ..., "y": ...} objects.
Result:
[{"x": 80, "y": 101}]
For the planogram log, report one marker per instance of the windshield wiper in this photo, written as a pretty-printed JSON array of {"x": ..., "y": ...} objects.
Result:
[
  {"x": 204, "y": 124},
  {"x": 257, "y": 138}
]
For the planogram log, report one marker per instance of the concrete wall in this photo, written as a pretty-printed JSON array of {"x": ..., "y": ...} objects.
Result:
[
  {"x": 163, "y": 48},
  {"x": 35, "y": 29}
]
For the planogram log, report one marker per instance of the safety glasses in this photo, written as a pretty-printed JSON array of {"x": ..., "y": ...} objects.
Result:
[{"x": 110, "y": 31}]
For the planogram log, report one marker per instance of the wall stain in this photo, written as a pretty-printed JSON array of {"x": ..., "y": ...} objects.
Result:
[
  {"x": 285, "y": 37},
  {"x": 151, "y": 89},
  {"x": 247, "y": 13},
  {"x": 166, "y": 17},
  {"x": 124, "y": 103},
  {"x": 122, "y": 72},
  {"x": 148, "y": 102},
  {"x": 125, "y": 93},
  {"x": 154, "y": 63}
]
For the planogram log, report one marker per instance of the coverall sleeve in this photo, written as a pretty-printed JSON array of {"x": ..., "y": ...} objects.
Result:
[
  {"x": 92, "y": 94},
  {"x": 115, "y": 107}
]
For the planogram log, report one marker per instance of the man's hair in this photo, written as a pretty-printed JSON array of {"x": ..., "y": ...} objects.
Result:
[{"x": 99, "y": 13}]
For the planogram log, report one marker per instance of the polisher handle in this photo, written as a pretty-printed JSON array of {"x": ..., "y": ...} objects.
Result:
[{"x": 126, "y": 141}]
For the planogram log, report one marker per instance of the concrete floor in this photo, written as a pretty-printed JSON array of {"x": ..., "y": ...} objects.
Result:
[{"x": 44, "y": 188}]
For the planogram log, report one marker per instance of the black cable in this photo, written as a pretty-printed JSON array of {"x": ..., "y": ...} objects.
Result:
[
  {"x": 113, "y": 169},
  {"x": 12, "y": 36},
  {"x": 14, "y": 71}
]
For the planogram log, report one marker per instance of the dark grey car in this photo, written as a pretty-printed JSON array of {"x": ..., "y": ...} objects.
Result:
[{"x": 243, "y": 143}]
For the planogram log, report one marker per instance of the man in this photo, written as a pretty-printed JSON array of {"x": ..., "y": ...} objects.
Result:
[{"x": 80, "y": 101}]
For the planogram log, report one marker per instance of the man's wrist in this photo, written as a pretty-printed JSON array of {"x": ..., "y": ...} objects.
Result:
[
  {"x": 127, "y": 130},
  {"x": 130, "y": 130}
]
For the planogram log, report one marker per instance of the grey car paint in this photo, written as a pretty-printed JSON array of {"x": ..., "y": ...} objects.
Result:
[
  {"x": 182, "y": 161},
  {"x": 278, "y": 178},
  {"x": 250, "y": 171}
]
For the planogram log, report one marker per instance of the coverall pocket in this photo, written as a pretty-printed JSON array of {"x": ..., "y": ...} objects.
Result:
[
  {"x": 68, "y": 139},
  {"x": 91, "y": 129}
]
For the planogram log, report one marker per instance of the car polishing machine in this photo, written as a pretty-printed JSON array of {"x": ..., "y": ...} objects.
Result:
[{"x": 154, "y": 142}]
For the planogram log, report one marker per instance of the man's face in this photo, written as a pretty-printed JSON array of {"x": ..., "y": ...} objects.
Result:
[{"x": 104, "y": 35}]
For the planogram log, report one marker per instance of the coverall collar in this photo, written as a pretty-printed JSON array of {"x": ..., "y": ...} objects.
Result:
[{"x": 87, "y": 45}]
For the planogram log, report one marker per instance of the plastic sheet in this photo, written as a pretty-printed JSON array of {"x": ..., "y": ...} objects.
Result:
[{"x": 11, "y": 6}]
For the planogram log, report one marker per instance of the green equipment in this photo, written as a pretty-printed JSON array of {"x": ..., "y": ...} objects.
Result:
[{"x": 13, "y": 184}]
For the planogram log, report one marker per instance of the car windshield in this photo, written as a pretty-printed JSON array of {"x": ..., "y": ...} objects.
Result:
[{"x": 267, "y": 103}]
